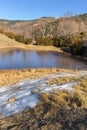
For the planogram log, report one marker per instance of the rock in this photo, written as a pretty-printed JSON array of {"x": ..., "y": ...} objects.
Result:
[
  {"x": 11, "y": 100},
  {"x": 33, "y": 91}
]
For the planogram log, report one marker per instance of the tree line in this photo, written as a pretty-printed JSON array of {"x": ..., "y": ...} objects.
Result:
[
  {"x": 64, "y": 33},
  {"x": 74, "y": 42}
]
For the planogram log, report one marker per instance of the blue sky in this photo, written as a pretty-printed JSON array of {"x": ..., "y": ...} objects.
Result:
[{"x": 32, "y": 9}]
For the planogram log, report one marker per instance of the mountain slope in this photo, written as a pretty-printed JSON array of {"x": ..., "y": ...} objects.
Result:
[
  {"x": 25, "y": 27},
  {"x": 47, "y": 26}
]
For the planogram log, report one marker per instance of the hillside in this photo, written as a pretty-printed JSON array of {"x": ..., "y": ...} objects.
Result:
[
  {"x": 66, "y": 26},
  {"x": 46, "y": 26},
  {"x": 25, "y": 27},
  {"x": 6, "y": 42},
  {"x": 81, "y": 17}
]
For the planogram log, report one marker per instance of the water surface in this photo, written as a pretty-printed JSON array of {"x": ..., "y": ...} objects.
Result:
[{"x": 16, "y": 59}]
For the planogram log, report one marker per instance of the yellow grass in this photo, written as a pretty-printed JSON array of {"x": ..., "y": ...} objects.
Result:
[
  {"x": 52, "y": 102},
  {"x": 62, "y": 80},
  {"x": 7, "y": 43},
  {"x": 8, "y": 77}
]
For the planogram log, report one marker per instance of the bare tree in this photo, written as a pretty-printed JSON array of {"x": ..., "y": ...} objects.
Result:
[{"x": 67, "y": 27}]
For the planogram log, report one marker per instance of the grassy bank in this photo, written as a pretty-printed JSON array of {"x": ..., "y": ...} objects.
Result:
[
  {"x": 7, "y": 43},
  {"x": 8, "y": 77}
]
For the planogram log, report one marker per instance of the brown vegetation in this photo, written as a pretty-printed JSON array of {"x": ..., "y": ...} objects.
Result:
[
  {"x": 63, "y": 32},
  {"x": 8, "y": 77},
  {"x": 24, "y": 27},
  {"x": 59, "y": 100},
  {"x": 62, "y": 80},
  {"x": 7, "y": 43},
  {"x": 59, "y": 110}
]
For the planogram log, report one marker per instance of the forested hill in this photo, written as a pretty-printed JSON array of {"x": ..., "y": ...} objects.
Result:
[
  {"x": 47, "y": 26},
  {"x": 24, "y": 27},
  {"x": 82, "y": 17},
  {"x": 66, "y": 26}
]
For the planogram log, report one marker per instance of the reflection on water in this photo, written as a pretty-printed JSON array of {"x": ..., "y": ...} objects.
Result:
[{"x": 16, "y": 59}]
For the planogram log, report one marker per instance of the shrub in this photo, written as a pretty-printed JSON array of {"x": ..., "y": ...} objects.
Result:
[
  {"x": 28, "y": 41},
  {"x": 19, "y": 38},
  {"x": 40, "y": 41},
  {"x": 1, "y": 30},
  {"x": 56, "y": 41},
  {"x": 47, "y": 41},
  {"x": 10, "y": 35}
]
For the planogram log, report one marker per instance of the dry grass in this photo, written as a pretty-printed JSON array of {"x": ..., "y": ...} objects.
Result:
[
  {"x": 62, "y": 80},
  {"x": 7, "y": 43},
  {"x": 8, "y": 77},
  {"x": 33, "y": 91},
  {"x": 53, "y": 102},
  {"x": 82, "y": 85}
]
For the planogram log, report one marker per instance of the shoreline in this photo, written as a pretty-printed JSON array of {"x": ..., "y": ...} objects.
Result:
[
  {"x": 40, "y": 48},
  {"x": 33, "y": 47},
  {"x": 11, "y": 76}
]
